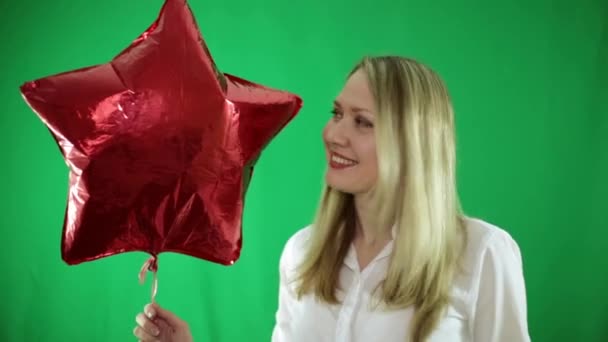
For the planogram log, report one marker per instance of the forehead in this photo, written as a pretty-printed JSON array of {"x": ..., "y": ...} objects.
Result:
[{"x": 356, "y": 93}]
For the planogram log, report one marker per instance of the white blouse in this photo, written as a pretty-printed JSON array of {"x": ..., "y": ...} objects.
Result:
[{"x": 488, "y": 298}]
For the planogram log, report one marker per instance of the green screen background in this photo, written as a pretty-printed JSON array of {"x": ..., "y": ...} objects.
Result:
[{"x": 528, "y": 80}]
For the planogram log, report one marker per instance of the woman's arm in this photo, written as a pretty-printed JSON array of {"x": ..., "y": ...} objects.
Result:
[
  {"x": 500, "y": 309},
  {"x": 281, "y": 331}
]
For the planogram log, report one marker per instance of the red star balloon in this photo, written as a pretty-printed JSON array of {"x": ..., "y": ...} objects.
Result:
[{"x": 160, "y": 145}]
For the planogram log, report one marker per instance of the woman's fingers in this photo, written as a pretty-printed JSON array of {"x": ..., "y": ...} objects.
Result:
[
  {"x": 147, "y": 326},
  {"x": 144, "y": 336}
]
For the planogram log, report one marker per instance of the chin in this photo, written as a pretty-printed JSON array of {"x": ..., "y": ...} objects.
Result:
[
  {"x": 340, "y": 186},
  {"x": 348, "y": 187},
  {"x": 340, "y": 189}
]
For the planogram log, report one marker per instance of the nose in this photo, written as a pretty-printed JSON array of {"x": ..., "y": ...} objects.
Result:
[{"x": 336, "y": 133}]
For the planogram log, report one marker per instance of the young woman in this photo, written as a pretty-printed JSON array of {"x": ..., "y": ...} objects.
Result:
[{"x": 390, "y": 256}]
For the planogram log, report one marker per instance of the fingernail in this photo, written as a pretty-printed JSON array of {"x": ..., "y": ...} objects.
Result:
[
  {"x": 155, "y": 332},
  {"x": 150, "y": 313}
]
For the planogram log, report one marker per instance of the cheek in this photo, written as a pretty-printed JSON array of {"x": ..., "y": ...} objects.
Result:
[
  {"x": 368, "y": 149},
  {"x": 373, "y": 162},
  {"x": 375, "y": 165},
  {"x": 371, "y": 159}
]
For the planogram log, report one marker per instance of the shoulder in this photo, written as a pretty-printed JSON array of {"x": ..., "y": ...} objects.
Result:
[
  {"x": 299, "y": 238},
  {"x": 483, "y": 237},
  {"x": 491, "y": 255},
  {"x": 494, "y": 283},
  {"x": 295, "y": 247}
]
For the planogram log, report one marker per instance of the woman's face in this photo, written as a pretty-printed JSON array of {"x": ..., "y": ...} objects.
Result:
[{"x": 349, "y": 138}]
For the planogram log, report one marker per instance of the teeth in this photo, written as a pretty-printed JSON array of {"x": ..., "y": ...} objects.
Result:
[{"x": 342, "y": 161}]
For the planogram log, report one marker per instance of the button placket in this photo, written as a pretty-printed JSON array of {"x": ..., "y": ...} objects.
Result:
[{"x": 349, "y": 308}]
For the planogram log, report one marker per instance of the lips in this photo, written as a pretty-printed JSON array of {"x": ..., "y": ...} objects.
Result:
[{"x": 338, "y": 161}]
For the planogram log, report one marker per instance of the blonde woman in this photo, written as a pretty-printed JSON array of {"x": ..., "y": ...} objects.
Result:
[{"x": 390, "y": 256}]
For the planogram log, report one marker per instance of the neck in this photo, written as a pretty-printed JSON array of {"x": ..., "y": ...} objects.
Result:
[{"x": 367, "y": 230}]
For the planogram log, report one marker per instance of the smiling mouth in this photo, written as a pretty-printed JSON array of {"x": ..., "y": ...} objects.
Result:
[{"x": 339, "y": 162}]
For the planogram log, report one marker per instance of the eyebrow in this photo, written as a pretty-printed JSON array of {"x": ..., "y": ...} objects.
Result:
[{"x": 354, "y": 109}]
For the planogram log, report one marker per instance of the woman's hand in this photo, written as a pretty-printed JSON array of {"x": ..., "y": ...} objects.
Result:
[{"x": 156, "y": 324}]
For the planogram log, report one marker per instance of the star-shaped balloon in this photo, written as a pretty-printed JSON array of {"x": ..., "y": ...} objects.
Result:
[{"x": 160, "y": 145}]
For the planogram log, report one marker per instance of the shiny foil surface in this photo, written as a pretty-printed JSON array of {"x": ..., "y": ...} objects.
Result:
[{"x": 160, "y": 145}]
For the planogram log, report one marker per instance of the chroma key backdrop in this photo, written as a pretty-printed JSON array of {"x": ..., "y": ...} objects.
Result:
[{"x": 529, "y": 86}]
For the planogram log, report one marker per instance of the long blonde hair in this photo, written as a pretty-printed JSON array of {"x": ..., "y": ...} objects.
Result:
[{"x": 415, "y": 191}]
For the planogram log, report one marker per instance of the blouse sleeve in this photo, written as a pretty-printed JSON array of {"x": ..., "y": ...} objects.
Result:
[
  {"x": 500, "y": 311},
  {"x": 281, "y": 331}
]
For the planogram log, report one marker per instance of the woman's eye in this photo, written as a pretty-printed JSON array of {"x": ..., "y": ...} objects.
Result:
[
  {"x": 363, "y": 123},
  {"x": 336, "y": 114}
]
